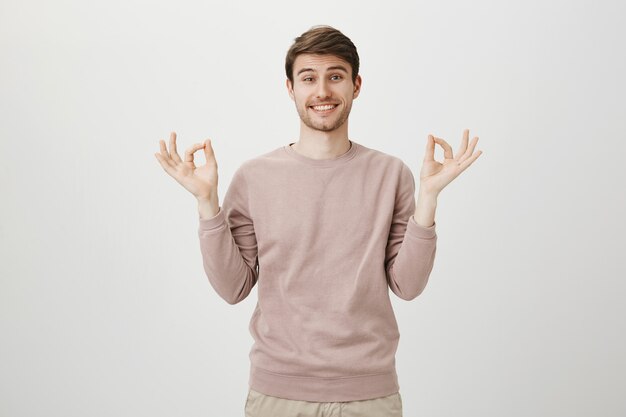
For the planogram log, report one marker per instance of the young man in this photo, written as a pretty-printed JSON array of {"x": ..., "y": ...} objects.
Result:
[{"x": 325, "y": 226}]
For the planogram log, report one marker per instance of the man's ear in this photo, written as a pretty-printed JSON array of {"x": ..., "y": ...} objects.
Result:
[
  {"x": 357, "y": 86},
  {"x": 290, "y": 88}
]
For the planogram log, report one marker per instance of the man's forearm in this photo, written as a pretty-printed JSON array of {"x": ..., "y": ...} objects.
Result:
[{"x": 425, "y": 209}]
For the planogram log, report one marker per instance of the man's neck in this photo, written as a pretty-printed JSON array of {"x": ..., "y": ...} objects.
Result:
[{"x": 317, "y": 144}]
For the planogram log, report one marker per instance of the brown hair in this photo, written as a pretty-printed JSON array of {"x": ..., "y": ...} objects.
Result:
[{"x": 322, "y": 40}]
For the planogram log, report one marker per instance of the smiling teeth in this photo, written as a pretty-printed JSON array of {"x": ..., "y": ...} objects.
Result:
[{"x": 322, "y": 108}]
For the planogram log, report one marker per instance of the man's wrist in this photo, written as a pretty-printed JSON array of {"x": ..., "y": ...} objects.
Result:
[
  {"x": 207, "y": 208},
  {"x": 425, "y": 208},
  {"x": 427, "y": 198}
]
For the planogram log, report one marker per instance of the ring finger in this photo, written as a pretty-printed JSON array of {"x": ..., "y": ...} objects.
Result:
[{"x": 469, "y": 150}]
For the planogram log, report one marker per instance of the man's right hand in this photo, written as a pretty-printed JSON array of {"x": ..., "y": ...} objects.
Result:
[{"x": 200, "y": 181}]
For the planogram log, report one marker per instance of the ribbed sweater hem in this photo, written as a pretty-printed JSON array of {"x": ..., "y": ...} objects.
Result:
[{"x": 338, "y": 389}]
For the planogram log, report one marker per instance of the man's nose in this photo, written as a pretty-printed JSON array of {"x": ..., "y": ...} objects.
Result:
[{"x": 322, "y": 89}]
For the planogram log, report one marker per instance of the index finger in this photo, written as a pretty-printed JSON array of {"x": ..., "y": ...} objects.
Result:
[
  {"x": 189, "y": 152},
  {"x": 447, "y": 149}
]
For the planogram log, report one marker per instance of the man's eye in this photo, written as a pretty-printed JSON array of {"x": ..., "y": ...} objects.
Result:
[
  {"x": 307, "y": 79},
  {"x": 336, "y": 77}
]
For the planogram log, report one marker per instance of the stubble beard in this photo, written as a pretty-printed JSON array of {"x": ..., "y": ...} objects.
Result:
[{"x": 324, "y": 125}]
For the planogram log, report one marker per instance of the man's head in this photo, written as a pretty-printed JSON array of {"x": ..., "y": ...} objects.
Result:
[
  {"x": 323, "y": 40},
  {"x": 322, "y": 69}
]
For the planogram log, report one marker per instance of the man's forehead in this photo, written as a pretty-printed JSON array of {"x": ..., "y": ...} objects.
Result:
[{"x": 317, "y": 62}]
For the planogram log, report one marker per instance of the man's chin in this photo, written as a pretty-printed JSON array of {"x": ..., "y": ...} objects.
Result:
[{"x": 323, "y": 127}]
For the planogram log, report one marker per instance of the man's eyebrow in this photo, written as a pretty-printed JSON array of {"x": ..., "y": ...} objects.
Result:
[
  {"x": 334, "y": 67},
  {"x": 338, "y": 67}
]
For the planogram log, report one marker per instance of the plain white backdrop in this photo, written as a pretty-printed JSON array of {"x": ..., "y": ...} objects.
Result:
[{"x": 105, "y": 308}]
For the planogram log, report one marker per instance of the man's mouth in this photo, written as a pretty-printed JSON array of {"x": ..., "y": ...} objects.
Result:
[{"x": 325, "y": 108}]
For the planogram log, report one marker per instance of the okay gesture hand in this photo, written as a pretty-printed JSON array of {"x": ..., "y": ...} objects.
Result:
[
  {"x": 435, "y": 175},
  {"x": 201, "y": 180}
]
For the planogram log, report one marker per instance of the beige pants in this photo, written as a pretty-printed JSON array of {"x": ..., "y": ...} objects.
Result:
[{"x": 261, "y": 405}]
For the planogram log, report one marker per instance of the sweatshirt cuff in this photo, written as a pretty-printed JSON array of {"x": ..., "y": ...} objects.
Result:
[
  {"x": 212, "y": 223},
  {"x": 417, "y": 230}
]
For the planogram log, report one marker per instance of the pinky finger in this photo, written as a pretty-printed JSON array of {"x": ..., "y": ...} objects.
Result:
[{"x": 165, "y": 163}]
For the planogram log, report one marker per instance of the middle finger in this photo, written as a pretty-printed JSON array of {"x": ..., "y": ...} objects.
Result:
[
  {"x": 469, "y": 150},
  {"x": 463, "y": 146},
  {"x": 173, "y": 150}
]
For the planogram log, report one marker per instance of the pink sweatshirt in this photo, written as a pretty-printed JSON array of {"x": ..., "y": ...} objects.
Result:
[{"x": 324, "y": 240}]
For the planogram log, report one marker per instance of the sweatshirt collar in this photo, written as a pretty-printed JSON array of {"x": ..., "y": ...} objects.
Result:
[{"x": 338, "y": 160}]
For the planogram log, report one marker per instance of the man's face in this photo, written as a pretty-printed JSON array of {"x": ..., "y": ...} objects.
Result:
[{"x": 323, "y": 90}]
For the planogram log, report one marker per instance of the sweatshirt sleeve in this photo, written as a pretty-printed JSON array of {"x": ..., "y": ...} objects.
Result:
[
  {"x": 411, "y": 248},
  {"x": 228, "y": 244}
]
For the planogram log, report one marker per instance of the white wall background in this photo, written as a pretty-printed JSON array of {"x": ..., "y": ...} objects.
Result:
[{"x": 105, "y": 308}]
